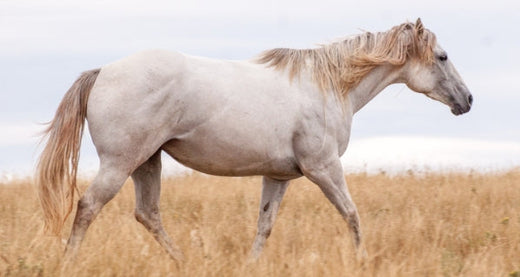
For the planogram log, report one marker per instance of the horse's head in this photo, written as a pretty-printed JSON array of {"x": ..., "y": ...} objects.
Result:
[{"x": 436, "y": 77}]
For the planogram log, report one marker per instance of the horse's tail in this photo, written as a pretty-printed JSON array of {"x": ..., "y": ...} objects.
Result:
[{"x": 58, "y": 164}]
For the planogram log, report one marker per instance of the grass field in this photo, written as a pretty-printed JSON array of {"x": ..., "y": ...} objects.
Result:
[{"x": 432, "y": 224}]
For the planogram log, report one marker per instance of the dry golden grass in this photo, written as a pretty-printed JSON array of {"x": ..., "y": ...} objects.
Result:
[{"x": 449, "y": 224}]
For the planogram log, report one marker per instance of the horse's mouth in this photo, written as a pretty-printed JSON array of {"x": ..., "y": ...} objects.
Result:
[{"x": 457, "y": 109}]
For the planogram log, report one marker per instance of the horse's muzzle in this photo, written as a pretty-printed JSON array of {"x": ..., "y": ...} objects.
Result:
[{"x": 458, "y": 109}]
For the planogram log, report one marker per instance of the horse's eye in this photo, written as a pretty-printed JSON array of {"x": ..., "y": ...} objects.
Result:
[{"x": 443, "y": 57}]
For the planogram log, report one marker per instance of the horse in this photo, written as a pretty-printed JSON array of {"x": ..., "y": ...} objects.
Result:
[{"x": 284, "y": 114}]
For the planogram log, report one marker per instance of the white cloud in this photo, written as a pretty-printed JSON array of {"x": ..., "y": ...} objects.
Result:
[
  {"x": 499, "y": 82},
  {"x": 416, "y": 152},
  {"x": 19, "y": 133}
]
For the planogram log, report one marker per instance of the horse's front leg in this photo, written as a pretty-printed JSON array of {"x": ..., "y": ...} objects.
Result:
[
  {"x": 329, "y": 177},
  {"x": 272, "y": 194}
]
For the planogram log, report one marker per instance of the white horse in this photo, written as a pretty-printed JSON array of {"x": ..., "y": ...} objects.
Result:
[{"x": 283, "y": 115}]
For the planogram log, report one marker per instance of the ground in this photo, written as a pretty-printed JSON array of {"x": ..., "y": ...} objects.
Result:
[{"x": 428, "y": 224}]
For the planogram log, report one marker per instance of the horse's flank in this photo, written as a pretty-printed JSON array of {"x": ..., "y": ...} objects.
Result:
[{"x": 340, "y": 66}]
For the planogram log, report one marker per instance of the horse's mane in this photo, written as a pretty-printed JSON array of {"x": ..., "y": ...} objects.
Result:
[{"x": 340, "y": 66}]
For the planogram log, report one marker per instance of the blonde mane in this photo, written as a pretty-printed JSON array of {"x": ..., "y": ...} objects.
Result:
[{"x": 340, "y": 66}]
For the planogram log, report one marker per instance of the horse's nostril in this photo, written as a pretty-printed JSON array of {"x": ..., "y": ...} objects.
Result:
[{"x": 470, "y": 99}]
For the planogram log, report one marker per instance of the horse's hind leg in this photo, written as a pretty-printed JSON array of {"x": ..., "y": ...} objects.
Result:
[
  {"x": 272, "y": 194},
  {"x": 107, "y": 183},
  {"x": 147, "y": 181}
]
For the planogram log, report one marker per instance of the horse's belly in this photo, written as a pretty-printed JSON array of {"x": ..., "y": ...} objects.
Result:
[{"x": 231, "y": 160}]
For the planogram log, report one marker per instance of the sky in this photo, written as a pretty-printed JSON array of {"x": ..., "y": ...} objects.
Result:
[{"x": 45, "y": 45}]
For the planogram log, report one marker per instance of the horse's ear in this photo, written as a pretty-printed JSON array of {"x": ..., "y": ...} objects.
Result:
[{"x": 419, "y": 27}]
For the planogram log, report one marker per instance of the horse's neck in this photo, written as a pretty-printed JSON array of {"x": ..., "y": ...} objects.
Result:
[{"x": 373, "y": 83}]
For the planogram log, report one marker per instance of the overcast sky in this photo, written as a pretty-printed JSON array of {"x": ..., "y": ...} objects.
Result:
[{"x": 44, "y": 45}]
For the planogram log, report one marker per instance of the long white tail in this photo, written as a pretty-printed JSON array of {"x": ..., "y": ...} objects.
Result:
[{"x": 58, "y": 163}]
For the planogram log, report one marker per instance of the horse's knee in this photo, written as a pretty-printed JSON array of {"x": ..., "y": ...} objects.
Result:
[
  {"x": 86, "y": 207},
  {"x": 150, "y": 220},
  {"x": 352, "y": 218},
  {"x": 266, "y": 233},
  {"x": 264, "y": 230},
  {"x": 141, "y": 217}
]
